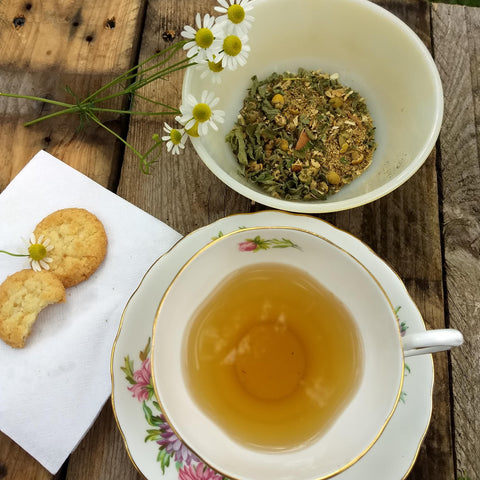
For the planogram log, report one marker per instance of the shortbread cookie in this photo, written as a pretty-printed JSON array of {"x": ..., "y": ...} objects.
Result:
[
  {"x": 22, "y": 296},
  {"x": 79, "y": 243}
]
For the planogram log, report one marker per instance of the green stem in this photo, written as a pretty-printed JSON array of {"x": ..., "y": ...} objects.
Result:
[
  {"x": 72, "y": 109},
  {"x": 140, "y": 82},
  {"x": 133, "y": 72},
  {"x": 132, "y": 112},
  {"x": 14, "y": 254},
  {"x": 161, "y": 104},
  {"x": 152, "y": 148},
  {"x": 163, "y": 73},
  {"x": 134, "y": 150},
  {"x": 38, "y": 99}
]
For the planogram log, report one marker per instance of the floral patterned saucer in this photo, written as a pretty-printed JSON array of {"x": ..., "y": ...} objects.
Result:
[{"x": 153, "y": 447}]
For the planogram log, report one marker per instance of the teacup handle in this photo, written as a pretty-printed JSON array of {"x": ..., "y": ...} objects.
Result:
[{"x": 431, "y": 341}]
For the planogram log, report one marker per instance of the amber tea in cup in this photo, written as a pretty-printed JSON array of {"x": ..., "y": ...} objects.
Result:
[{"x": 272, "y": 356}]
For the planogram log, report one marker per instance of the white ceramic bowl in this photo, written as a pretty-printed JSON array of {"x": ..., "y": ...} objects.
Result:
[{"x": 374, "y": 53}]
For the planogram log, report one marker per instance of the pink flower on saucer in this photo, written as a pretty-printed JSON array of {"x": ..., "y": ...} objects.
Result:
[
  {"x": 198, "y": 472},
  {"x": 247, "y": 246},
  {"x": 142, "y": 378}
]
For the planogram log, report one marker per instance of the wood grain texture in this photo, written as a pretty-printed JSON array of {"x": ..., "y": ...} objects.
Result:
[
  {"x": 16, "y": 464},
  {"x": 457, "y": 48},
  {"x": 62, "y": 43},
  {"x": 49, "y": 50},
  {"x": 403, "y": 228},
  {"x": 102, "y": 455}
]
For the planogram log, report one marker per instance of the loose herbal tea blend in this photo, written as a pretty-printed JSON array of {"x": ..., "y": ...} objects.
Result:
[{"x": 302, "y": 136}]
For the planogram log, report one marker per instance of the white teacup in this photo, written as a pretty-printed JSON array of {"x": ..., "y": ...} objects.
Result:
[{"x": 368, "y": 407}]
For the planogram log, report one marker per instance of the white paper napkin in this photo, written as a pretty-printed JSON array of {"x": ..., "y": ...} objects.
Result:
[{"x": 52, "y": 390}]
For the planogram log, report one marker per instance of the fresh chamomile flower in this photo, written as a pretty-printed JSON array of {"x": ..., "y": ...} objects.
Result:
[
  {"x": 202, "y": 44},
  {"x": 197, "y": 117},
  {"x": 234, "y": 52},
  {"x": 38, "y": 249},
  {"x": 212, "y": 70},
  {"x": 175, "y": 139},
  {"x": 235, "y": 19}
]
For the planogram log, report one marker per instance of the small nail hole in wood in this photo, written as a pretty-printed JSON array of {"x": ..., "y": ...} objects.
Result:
[
  {"x": 110, "y": 23},
  {"x": 19, "y": 21}
]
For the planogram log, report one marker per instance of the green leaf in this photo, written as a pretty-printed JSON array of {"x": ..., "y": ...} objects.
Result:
[
  {"x": 144, "y": 353},
  {"x": 151, "y": 419},
  {"x": 128, "y": 370},
  {"x": 153, "y": 435},
  {"x": 157, "y": 405},
  {"x": 164, "y": 459}
]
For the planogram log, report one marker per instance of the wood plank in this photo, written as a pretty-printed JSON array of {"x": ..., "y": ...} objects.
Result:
[
  {"x": 51, "y": 49},
  {"x": 16, "y": 464},
  {"x": 403, "y": 228},
  {"x": 102, "y": 455},
  {"x": 62, "y": 43},
  {"x": 457, "y": 50}
]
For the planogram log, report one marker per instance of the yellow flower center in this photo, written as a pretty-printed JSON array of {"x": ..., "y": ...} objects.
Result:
[
  {"x": 236, "y": 13},
  {"x": 232, "y": 45},
  {"x": 201, "y": 112},
  {"x": 37, "y": 251},
  {"x": 204, "y": 37},
  {"x": 175, "y": 136},
  {"x": 193, "y": 131},
  {"x": 215, "y": 67}
]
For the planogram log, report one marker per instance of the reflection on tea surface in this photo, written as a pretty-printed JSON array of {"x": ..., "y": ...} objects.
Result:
[{"x": 272, "y": 356}]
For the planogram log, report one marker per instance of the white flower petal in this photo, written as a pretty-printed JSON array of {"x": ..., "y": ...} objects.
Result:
[
  {"x": 191, "y": 100},
  {"x": 32, "y": 239},
  {"x": 208, "y": 21},
  {"x": 188, "y": 32},
  {"x": 189, "y": 124},
  {"x": 203, "y": 128},
  {"x": 213, "y": 125},
  {"x": 219, "y": 116},
  {"x": 44, "y": 265},
  {"x": 198, "y": 20},
  {"x": 194, "y": 50}
]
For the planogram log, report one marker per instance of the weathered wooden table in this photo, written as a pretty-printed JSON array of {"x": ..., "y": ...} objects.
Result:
[{"x": 428, "y": 230}]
